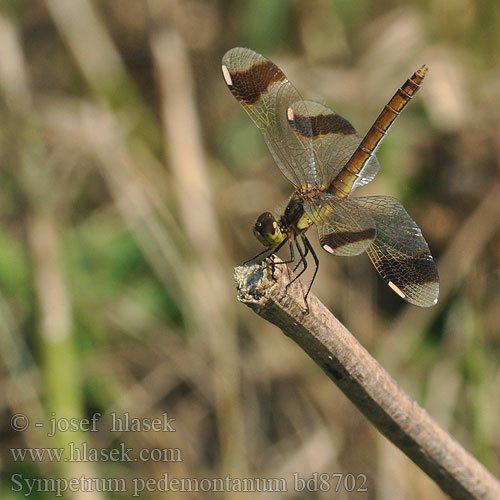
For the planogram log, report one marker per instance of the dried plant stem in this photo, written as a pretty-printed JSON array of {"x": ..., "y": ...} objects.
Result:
[{"x": 364, "y": 381}]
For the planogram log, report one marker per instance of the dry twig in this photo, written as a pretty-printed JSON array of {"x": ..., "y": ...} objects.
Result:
[{"x": 364, "y": 381}]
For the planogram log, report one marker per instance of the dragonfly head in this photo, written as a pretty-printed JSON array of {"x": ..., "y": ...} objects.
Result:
[{"x": 268, "y": 230}]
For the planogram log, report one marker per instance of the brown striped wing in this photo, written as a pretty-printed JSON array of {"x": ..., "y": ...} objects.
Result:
[
  {"x": 400, "y": 253},
  {"x": 266, "y": 95},
  {"x": 334, "y": 141},
  {"x": 344, "y": 227}
]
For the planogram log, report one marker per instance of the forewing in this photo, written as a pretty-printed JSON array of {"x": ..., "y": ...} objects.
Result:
[
  {"x": 266, "y": 95},
  {"x": 400, "y": 253},
  {"x": 334, "y": 141},
  {"x": 344, "y": 227}
]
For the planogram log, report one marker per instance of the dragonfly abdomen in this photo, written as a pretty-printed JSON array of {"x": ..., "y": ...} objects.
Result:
[{"x": 343, "y": 183}]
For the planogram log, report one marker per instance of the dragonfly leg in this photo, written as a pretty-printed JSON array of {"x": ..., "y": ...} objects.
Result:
[
  {"x": 255, "y": 257},
  {"x": 268, "y": 251},
  {"x": 292, "y": 253},
  {"x": 302, "y": 259},
  {"x": 303, "y": 254},
  {"x": 307, "y": 245}
]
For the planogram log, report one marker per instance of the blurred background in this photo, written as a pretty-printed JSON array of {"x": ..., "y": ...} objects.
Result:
[{"x": 130, "y": 180}]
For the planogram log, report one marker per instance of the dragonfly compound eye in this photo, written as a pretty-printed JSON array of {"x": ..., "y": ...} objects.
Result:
[{"x": 267, "y": 230}]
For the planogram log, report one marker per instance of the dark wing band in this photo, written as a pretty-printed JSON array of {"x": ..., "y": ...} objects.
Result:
[
  {"x": 266, "y": 95},
  {"x": 334, "y": 142},
  {"x": 400, "y": 253},
  {"x": 344, "y": 227}
]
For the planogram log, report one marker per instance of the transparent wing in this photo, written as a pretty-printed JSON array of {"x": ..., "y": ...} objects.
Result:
[
  {"x": 344, "y": 227},
  {"x": 266, "y": 95},
  {"x": 334, "y": 141},
  {"x": 400, "y": 253}
]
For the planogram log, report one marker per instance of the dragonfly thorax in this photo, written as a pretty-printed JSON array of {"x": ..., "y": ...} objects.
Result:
[{"x": 294, "y": 217}]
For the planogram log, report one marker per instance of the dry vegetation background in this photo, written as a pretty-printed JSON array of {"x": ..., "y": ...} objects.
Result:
[{"x": 130, "y": 179}]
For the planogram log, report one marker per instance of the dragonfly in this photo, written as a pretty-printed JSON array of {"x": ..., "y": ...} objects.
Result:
[{"x": 325, "y": 159}]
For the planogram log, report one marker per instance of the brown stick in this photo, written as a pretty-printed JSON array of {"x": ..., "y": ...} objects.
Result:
[{"x": 363, "y": 381}]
